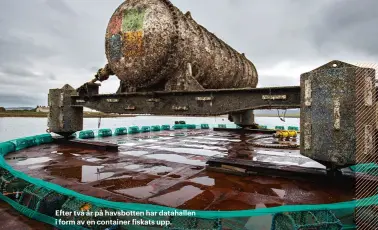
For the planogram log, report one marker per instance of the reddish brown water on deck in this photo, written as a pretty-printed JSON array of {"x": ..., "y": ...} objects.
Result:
[
  {"x": 168, "y": 168},
  {"x": 11, "y": 219}
]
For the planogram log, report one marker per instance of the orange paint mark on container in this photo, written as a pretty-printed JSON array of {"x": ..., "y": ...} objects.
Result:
[{"x": 133, "y": 42}]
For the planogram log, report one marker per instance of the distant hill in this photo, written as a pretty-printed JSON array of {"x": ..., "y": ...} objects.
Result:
[
  {"x": 274, "y": 112},
  {"x": 19, "y": 108},
  {"x": 293, "y": 113}
]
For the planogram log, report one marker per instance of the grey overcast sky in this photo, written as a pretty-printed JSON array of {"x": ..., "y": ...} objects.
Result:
[{"x": 47, "y": 43}]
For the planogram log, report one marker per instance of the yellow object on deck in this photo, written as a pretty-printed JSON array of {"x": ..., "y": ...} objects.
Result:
[{"x": 286, "y": 134}]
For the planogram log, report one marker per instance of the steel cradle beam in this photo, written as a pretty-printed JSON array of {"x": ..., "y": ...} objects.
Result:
[{"x": 208, "y": 102}]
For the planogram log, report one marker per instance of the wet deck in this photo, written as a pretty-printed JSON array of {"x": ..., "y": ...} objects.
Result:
[{"x": 168, "y": 168}]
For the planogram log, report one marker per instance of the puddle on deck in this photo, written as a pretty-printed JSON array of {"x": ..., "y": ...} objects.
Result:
[
  {"x": 192, "y": 151},
  {"x": 34, "y": 160},
  {"x": 169, "y": 170},
  {"x": 177, "y": 159},
  {"x": 177, "y": 198},
  {"x": 83, "y": 174},
  {"x": 93, "y": 173},
  {"x": 203, "y": 180},
  {"x": 135, "y": 153}
]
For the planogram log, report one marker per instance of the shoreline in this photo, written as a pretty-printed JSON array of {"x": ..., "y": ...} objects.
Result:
[
  {"x": 104, "y": 115},
  {"x": 275, "y": 115},
  {"x": 44, "y": 115}
]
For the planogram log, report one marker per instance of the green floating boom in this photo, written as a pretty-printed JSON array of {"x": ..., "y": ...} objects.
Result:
[
  {"x": 294, "y": 128},
  {"x": 191, "y": 126},
  {"x": 223, "y": 126},
  {"x": 179, "y": 126},
  {"x": 43, "y": 139},
  {"x": 105, "y": 133},
  {"x": 205, "y": 126},
  {"x": 87, "y": 134},
  {"x": 134, "y": 129},
  {"x": 120, "y": 131},
  {"x": 165, "y": 127},
  {"x": 145, "y": 129},
  {"x": 155, "y": 128},
  {"x": 7, "y": 147},
  {"x": 368, "y": 168},
  {"x": 263, "y": 127},
  {"x": 26, "y": 142},
  {"x": 280, "y": 128}
]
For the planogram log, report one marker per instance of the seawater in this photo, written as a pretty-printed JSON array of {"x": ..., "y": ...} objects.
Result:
[{"x": 16, "y": 127}]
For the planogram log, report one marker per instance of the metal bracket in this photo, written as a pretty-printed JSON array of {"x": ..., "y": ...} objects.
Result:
[
  {"x": 274, "y": 97},
  {"x": 369, "y": 140},
  {"x": 368, "y": 91},
  {"x": 336, "y": 113},
  {"x": 307, "y": 136},
  {"x": 308, "y": 92}
]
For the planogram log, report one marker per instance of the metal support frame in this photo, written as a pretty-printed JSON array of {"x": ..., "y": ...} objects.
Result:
[
  {"x": 200, "y": 103},
  {"x": 327, "y": 98}
]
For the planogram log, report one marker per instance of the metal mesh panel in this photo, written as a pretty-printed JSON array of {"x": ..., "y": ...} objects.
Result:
[{"x": 308, "y": 220}]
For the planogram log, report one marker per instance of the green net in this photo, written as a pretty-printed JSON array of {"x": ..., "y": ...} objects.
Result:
[
  {"x": 11, "y": 185},
  {"x": 183, "y": 223},
  {"x": 85, "y": 213},
  {"x": 32, "y": 195},
  {"x": 40, "y": 199},
  {"x": 309, "y": 220}
]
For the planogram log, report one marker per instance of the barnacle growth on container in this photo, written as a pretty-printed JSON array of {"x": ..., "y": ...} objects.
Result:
[{"x": 151, "y": 45}]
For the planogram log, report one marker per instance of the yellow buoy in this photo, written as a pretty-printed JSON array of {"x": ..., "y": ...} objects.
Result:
[{"x": 292, "y": 133}]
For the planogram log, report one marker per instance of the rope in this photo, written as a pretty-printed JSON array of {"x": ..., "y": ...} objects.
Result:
[{"x": 276, "y": 146}]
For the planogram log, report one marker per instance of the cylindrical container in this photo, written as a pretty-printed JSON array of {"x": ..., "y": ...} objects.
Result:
[{"x": 149, "y": 42}]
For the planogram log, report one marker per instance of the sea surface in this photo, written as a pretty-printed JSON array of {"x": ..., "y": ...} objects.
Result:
[{"x": 16, "y": 127}]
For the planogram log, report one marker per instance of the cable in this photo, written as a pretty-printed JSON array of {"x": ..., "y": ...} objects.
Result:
[
  {"x": 99, "y": 122},
  {"x": 284, "y": 115}
]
